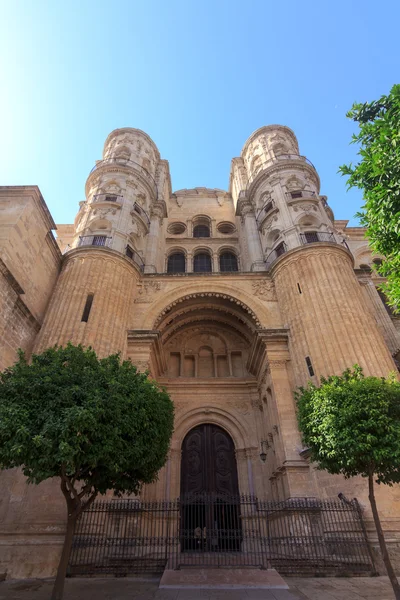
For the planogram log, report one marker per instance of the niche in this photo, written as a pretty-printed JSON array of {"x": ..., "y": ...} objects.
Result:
[
  {"x": 189, "y": 366},
  {"x": 222, "y": 366},
  {"x": 206, "y": 363},
  {"x": 237, "y": 364},
  {"x": 175, "y": 364}
]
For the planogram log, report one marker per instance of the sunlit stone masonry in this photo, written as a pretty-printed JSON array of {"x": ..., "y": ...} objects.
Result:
[{"x": 230, "y": 298}]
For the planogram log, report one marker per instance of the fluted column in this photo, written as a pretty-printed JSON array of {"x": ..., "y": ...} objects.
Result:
[
  {"x": 322, "y": 303},
  {"x": 111, "y": 280},
  {"x": 380, "y": 314},
  {"x": 156, "y": 218},
  {"x": 246, "y": 210}
]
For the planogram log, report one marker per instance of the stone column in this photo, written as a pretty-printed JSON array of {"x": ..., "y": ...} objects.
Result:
[
  {"x": 246, "y": 210},
  {"x": 215, "y": 262},
  {"x": 156, "y": 218},
  {"x": 269, "y": 359},
  {"x": 380, "y": 314},
  {"x": 145, "y": 351}
]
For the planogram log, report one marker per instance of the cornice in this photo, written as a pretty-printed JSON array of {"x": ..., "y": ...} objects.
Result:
[
  {"x": 300, "y": 252},
  {"x": 102, "y": 253},
  {"x": 119, "y": 168},
  {"x": 31, "y": 191}
]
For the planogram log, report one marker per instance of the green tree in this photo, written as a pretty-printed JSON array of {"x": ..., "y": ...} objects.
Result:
[
  {"x": 378, "y": 175},
  {"x": 351, "y": 424},
  {"x": 96, "y": 424}
]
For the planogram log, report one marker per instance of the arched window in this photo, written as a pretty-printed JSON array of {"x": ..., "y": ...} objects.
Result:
[
  {"x": 201, "y": 231},
  {"x": 202, "y": 263},
  {"x": 228, "y": 262},
  {"x": 176, "y": 263}
]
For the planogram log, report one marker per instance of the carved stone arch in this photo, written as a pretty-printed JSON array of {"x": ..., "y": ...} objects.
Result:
[
  {"x": 211, "y": 414},
  {"x": 176, "y": 297},
  {"x": 308, "y": 219},
  {"x": 99, "y": 225},
  {"x": 122, "y": 151},
  {"x": 362, "y": 255},
  {"x": 176, "y": 249}
]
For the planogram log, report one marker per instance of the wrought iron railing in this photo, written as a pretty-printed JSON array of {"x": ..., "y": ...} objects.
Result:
[
  {"x": 137, "y": 208},
  {"x": 275, "y": 254},
  {"x": 298, "y": 537},
  {"x": 266, "y": 164},
  {"x": 107, "y": 197},
  {"x": 300, "y": 194},
  {"x": 268, "y": 206},
  {"x": 135, "y": 256},
  {"x": 95, "y": 240},
  {"x": 311, "y": 237},
  {"x": 128, "y": 163}
]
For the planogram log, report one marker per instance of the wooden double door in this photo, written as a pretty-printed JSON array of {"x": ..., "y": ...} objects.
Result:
[{"x": 210, "y": 505}]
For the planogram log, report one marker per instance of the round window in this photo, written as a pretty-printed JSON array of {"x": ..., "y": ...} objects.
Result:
[
  {"x": 176, "y": 228},
  {"x": 226, "y": 228}
]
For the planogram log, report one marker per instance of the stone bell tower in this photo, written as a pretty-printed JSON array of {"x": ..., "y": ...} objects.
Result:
[
  {"x": 287, "y": 224},
  {"x": 116, "y": 238}
]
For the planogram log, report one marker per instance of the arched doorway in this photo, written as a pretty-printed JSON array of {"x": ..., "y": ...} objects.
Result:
[{"x": 210, "y": 515}]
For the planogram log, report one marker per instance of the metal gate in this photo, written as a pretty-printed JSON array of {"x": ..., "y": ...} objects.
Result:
[{"x": 297, "y": 537}]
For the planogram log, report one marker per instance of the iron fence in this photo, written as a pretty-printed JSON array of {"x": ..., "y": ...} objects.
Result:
[{"x": 297, "y": 537}]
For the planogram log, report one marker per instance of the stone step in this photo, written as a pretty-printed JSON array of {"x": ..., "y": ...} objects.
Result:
[{"x": 228, "y": 578}]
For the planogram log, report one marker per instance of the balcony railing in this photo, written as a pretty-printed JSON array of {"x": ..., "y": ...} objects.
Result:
[
  {"x": 107, "y": 197},
  {"x": 140, "y": 211},
  {"x": 95, "y": 240},
  {"x": 135, "y": 256},
  {"x": 300, "y": 194},
  {"x": 276, "y": 253},
  {"x": 268, "y": 206},
  {"x": 280, "y": 157},
  {"x": 311, "y": 237},
  {"x": 131, "y": 164}
]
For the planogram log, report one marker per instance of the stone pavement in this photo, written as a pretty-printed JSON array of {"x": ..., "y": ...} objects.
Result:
[{"x": 329, "y": 588}]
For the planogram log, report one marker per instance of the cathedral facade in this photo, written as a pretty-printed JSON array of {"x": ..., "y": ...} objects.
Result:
[{"x": 230, "y": 299}]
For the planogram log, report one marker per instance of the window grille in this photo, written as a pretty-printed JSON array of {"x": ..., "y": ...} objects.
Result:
[
  {"x": 311, "y": 237},
  {"x": 280, "y": 249},
  {"x": 228, "y": 262},
  {"x": 201, "y": 231},
  {"x": 111, "y": 198},
  {"x": 202, "y": 263},
  {"x": 176, "y": 263},
  {"x": 99, "y": 240}
]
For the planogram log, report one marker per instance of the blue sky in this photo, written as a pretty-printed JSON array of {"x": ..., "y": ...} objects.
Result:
[{"x": 198, "y": 77}]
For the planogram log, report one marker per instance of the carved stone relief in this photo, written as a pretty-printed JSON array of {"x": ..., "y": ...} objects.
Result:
[
  {"x": 147, "y": 291},
  {"x": 264, "y": 289}
]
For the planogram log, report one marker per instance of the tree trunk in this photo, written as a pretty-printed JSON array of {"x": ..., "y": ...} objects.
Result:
[
  {"x": 58, "y": 589},
  {"x": 381, "y": 538}
]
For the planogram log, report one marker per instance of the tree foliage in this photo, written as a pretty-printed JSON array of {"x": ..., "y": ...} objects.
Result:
[
  {"x": 351, "y": 425},
  {"x": 378, "y": 175},
  {"x": 97, "y": 424},
  {"x": 352, "y": 422}
]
